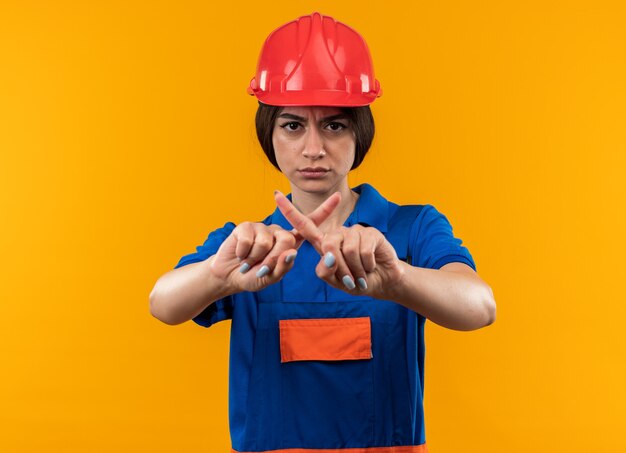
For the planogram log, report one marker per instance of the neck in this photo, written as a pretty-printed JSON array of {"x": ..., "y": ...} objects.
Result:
[{"x": 307, "y": 202}]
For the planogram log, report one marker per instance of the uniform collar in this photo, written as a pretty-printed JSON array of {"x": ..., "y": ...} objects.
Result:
[{"x": 371, "y": 210}]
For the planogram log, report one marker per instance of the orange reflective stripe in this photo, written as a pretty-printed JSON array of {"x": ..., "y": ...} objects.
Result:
[
  {"x": 325, "y": 339},
  {"x": 403, "y": 449}
]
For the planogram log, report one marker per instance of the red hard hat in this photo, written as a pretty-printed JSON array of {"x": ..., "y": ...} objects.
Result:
[{"x": 315, "y": 60}]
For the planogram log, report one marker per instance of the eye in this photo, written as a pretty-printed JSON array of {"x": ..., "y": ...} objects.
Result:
[
  {"x": 335, "y": 126},
  {"x": 291, "y": 126}
]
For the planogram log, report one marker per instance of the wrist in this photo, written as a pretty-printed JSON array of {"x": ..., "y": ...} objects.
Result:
[
  {"x": 218, "y": 284},
  {"x": 393, "y": 289}
]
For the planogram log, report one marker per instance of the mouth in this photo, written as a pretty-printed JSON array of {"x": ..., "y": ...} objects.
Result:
[{"x": 313, "y": 172}]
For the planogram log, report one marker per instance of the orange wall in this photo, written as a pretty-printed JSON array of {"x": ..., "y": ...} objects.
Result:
[{"x": 126, "y": 135}]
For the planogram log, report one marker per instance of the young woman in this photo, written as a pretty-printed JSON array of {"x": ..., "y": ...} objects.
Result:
[{"x": 328, "y": 296}]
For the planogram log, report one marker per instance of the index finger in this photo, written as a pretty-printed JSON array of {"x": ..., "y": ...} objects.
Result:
[
  {"x": 324, "y": 210},
  {"x": 321, "y": 213},
  {"x": 307, "y": 226}
]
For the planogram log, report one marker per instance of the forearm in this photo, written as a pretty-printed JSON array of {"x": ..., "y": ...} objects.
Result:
[
  {"x": 183, "y": 293},
  {"x": 456, "y": 300}
]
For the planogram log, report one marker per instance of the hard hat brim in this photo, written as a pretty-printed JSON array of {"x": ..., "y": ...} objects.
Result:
[{"x": 317, "y": 98}]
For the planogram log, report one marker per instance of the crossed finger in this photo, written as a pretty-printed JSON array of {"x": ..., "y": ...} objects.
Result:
[
  {"x": 270, "y": 244},
  {"x": 344, "y": 260},
  {"x": 305, "y": 226}
]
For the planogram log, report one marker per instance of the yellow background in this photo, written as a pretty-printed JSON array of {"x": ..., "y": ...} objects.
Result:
[{"x": 126, "y": 136}]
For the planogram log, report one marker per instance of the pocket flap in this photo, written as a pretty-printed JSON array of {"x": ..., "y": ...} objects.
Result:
[{"x": 325, "y": 339}]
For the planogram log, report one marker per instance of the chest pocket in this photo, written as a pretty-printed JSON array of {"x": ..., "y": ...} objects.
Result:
[{"x": 325, "y": 339}]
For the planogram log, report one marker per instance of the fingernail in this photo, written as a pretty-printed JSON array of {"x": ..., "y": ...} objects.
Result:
[
  {"x": 329, "y": 259},
  {"x": 263, "y": 271},
  {"x": 244, "y": 268},
  {"x": 290, "y": 258},
  {"x": 361, "y": 282},
  {"x": 348, "y": 282}
]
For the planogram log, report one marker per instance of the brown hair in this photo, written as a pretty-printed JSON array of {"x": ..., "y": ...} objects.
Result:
[{"x": 361, "y": 121}]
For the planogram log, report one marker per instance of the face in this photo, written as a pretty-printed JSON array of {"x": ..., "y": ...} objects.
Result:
[{"x": 314, "y": 147}]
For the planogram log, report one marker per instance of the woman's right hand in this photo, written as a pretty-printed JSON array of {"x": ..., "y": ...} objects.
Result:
[{"x": 256, "y": 255}]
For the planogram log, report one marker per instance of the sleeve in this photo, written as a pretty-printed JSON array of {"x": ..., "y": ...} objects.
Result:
[
  {"x": 221, "y": 309},
  {"x": 434, "y": 243}
]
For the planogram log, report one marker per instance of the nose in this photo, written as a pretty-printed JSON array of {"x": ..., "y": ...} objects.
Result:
[{"x": 313, "y": 144}]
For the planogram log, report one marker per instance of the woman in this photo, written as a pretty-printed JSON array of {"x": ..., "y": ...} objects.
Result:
[{"x": 328, "y": 296}]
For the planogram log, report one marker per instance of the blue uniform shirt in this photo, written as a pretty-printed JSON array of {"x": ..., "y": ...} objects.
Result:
[{"x": 314, "y": 367}]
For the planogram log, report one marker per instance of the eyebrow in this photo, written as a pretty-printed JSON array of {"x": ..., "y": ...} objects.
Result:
[{"x": 291, "y": 116}]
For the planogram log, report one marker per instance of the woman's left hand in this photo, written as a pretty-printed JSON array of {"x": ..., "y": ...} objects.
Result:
[{"x": 356, "y": 259}]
